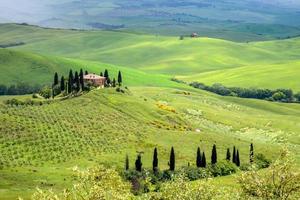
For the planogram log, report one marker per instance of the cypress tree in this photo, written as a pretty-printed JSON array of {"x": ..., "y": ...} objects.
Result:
[
  {"x": 55, "y": 79},
  {"x": 251, "y": 153},
  {"x": 234, "y": 155},
  {"x": 62, "y": 83},
  {"x": 86, "y": 72},
  {"x": 107, "y": 79},
  {"x": 203, "y": 160},
  {"x": 198, "y": 160},
  {"x": 127, "y": 163},
  {"x": 120, "y": 78},
  {"x": 214, "y": 155},
  {"x": 77, "y": 81},
  {"x": 138, "y": 163},
  {"x": 238, "y": 158},
  {"x": 71, "y": 77},
  {"x": 114, "y": 82},
  {"x": 172, "y": 160},
  {"x": 108, "y": 82},
  {"x": 81, "y": 79},
  {"x": 101, "y": 73},
  {"x": 69, "y": 88},
  {"x": 106, "y": 73},
  {"x": 155, "y": 161},
  {"x": 70, "y": 82},
  {"x": 228, "y": 155}
]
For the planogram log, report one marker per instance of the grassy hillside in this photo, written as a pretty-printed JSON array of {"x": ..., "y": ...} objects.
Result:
[
  {"x": 20, "y": 67},
  {"x": 195, "y": 59},
  {"x": 41, "y": 144},
  {"x": 271, "y": 76}
]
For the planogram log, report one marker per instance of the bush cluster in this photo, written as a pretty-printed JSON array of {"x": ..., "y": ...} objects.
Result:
[
  {"x": 19, "y": 89},
  {"x": 281, "y": 95},
  {"x": 27, "y": 102}
]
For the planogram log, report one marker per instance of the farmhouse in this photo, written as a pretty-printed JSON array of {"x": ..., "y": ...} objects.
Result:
[
  {"x": 194, "y": 35},
  {"x": 95, "y": 80}
]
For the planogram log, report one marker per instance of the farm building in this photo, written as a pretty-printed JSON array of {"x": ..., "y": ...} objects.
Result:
[
  {"x": 94, "y": 79},
  {"x": 194, "y": 35}
]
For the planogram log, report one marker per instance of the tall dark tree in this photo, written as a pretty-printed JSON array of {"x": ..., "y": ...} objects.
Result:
[
  {"x": 81, "y": 79},
  {"x": 107, "y": 79},
  {"x": 155, "y": 161},
  {"x": 238, "y": 158},
  {"x": 120, "y": 78},
  {"x": 86, "y": 72},
  {"x": 69, "y": 87},
  {"x": 106, "y": 75},
  {"x": 62, "y": 83},
  {"x": 70, "y": 82},
  {"x": 251, "y": 153},
  {"x": 172, "y": 160},
  {"x": 108, "y": 82},
  {"x": 203, "y": 160},
  {"x": 214, "y": 155},
  {"x": 55, "y": 82},
  {"x": 77, "y": 81},
  {"x": 71, "y": 77},
  {"x": 138, "y": 163},
  {"x": 198, "y": 160},
  {"x": 228, "y": 155},
  {"x": 114, "y": 82},
  {"x": 234, "y": 155},
  {"x": 127, "y": 163}
]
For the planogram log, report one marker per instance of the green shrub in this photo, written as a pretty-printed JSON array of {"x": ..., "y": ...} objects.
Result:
[
  {"x": 278, "y": 96},
  {"x": 35, "y": 96},
  {"x": 194, "y": 173},
  {"x": 223, "y": 168},
  {"x": 46, "y": 92},
  {"x": 118, "y": 89},
  {"x": 261, "y": 161},
  {"x": 279, "y": 181}
]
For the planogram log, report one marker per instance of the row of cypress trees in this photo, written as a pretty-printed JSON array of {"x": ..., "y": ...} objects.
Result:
[
  {"x": 73, "y": 83},
  {"x": 200, "y": 158},
  {"x": 76, "y": 82},
  {"x": 112, "y": 82}
]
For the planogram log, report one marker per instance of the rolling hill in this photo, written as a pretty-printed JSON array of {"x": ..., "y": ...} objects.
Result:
[
  {"x": 41, "y": 144},
  {"x": 35, "y": 69},
  {"x": 198, "y": 59},
  {"x": 258, "y": 20}
]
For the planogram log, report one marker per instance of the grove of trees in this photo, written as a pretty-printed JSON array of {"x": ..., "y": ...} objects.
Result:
[{"x": 282, "y": 95}]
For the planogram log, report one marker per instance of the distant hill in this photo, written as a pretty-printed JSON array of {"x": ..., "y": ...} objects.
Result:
[
  {"x": 235, "y": 20},
  {"x": 24, "y": 67},
  {"x": 198, "y": 59}
]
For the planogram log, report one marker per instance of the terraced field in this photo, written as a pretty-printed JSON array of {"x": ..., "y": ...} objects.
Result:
[{"x": 41, "y": 144}]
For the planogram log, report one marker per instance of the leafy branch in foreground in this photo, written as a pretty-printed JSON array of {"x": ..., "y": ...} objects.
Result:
[
  {"x": 280, "y": 181},
  {"x": 97, "y": 183}
]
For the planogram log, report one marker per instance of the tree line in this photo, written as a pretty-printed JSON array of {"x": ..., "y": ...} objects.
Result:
[
  {"x": 202, "y": 168},
  {"x": 200, "y": 161},
  {"x": 19, "y": 89},
  {"x": 75, "y": 83},
  {"x": 280, "y": 95}
]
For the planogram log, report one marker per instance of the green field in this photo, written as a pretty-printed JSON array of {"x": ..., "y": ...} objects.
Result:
[
  {"x": 39, "y": 145},
  {"x": 203, "y": 59},
  {"x": 42, "y": 143}
]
